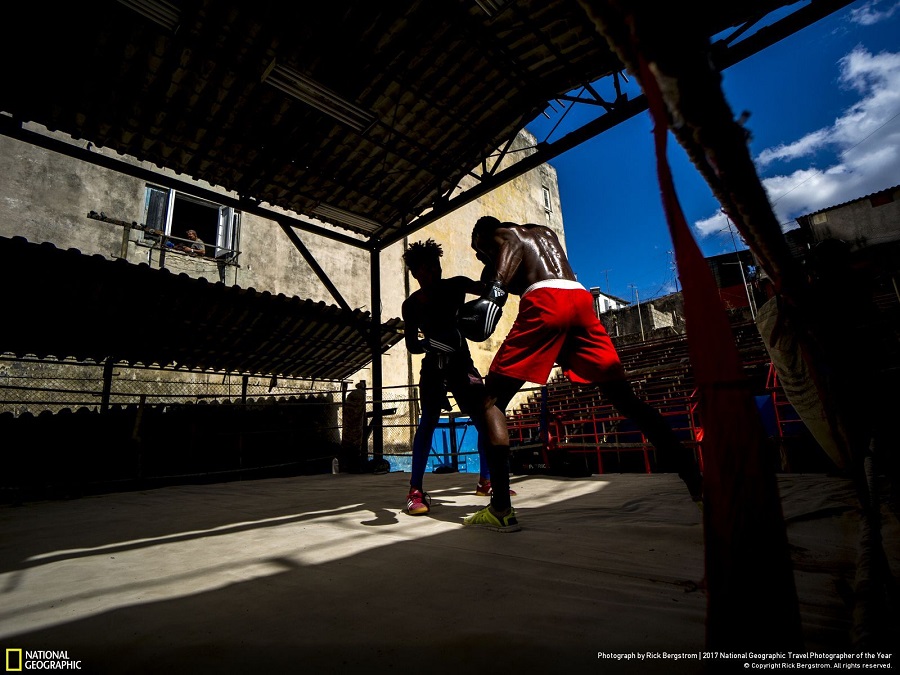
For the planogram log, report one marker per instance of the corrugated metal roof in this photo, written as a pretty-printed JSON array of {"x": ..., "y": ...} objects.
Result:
[
  {"x": 867, "y": 197},
  {"x": 365, "y": 115},
  {"x": 64, "y": 304},
  {"x": 361, "y": 114}
]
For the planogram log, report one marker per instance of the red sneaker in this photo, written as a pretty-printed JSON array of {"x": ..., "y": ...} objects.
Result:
[
  {"x": 484, "y": 489},
  {"x": 418, "y": 503}
]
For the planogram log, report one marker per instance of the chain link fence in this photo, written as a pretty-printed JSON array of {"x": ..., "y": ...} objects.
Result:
[
  {"x": 38, "y": 385},
  {"x": 83, "y": 424}
]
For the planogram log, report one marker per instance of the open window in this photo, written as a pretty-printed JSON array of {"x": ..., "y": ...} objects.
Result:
[{"x": 173, "y": 213}]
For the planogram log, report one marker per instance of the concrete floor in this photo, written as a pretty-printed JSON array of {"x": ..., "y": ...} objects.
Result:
[{"x": 326, "y": 573}]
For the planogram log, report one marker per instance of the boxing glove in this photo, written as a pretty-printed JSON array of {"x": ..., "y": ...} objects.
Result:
[
  {"x": 477, "y": 319},
  {"x": 496, "y": 293}
]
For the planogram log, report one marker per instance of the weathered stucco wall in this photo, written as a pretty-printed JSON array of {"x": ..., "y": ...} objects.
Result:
[
  {"x": 862, "y": 222},
  {"x": 46, "y": 196},
  {"x": 520, "y": 200}
]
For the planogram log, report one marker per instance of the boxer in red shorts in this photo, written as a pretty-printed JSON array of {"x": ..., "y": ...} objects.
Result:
[{"x": 556, "y": 323}]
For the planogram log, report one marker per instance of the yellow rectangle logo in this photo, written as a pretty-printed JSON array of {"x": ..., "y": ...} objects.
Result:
[{"x": 11, "y": 659}]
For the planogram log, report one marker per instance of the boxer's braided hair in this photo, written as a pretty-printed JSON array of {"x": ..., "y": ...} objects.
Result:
[{"x": 422, "y": 252}]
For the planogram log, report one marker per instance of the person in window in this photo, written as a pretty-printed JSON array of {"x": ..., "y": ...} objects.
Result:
[{"x": 196, "y": 247}]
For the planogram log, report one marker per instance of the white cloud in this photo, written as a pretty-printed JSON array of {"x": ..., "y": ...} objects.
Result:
[
  {"x": 713, "y": 226},
  {"x": 870, "y": 13},
  {"x": 806, "y": 146},
  {"x": 864, "y": 145}
]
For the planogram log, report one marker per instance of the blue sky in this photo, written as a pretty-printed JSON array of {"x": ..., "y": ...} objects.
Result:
[{"x": 824, "y": 110}]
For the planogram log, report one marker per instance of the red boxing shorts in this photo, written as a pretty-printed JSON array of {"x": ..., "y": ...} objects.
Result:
[{"x": 556, "y": 324}]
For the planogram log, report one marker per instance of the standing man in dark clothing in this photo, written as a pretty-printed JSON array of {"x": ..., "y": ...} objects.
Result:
[
  {"x": 556, "y": 323},
  {"x": 354, "y": 439},
  {"x": 447, "y": 365}
]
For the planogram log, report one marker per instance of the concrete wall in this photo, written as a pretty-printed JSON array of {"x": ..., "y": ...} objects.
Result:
[
  {"x": 868, "y": 221},
  {"x": 659, "y": 317},
  {"x": 520, "y": 200},
  {"x": 46, "y": 196}
]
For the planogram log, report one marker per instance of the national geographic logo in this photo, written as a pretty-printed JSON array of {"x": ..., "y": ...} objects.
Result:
[
  {"x": 18, "y": 660},
  {"x": 13, "y": 660}
]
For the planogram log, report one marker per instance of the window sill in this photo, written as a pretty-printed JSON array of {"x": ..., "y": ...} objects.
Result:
[{"x": 174, "y": 251}]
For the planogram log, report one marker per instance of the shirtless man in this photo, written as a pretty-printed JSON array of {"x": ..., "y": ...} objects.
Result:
[{"x": 556, "y": 324}]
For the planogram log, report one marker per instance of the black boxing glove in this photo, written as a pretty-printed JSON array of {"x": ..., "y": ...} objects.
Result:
[
  {"x": 477, "y": 319},
  {"x": 496, "y": 293}
]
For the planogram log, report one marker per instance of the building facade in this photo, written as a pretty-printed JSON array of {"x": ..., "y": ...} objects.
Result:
[
  {"x": 869, "y": 221},
  {"x": 48, "y": 197}
]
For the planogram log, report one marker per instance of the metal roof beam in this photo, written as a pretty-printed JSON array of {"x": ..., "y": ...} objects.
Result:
[
  {"x": 544, "y": 153},
  {"x": 725, "y": 55},
  {"x": 314, "y": 265}
]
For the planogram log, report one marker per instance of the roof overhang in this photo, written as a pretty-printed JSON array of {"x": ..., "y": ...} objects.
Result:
[
  {"x": 363, "y": 115},
  {"x": 69, "y": 305}
]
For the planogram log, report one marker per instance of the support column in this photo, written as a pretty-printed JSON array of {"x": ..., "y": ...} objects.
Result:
[
  {"x": 108, "y": 367},
  {"x": 375, "y": 345}
]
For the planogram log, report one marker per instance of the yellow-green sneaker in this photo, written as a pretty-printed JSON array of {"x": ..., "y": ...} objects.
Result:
[{"x": 489, "y": 520}]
